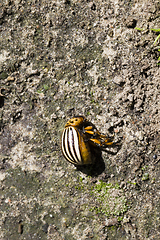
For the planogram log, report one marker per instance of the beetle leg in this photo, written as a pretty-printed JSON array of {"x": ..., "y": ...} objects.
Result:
[
  {"x": 107, "y": 142},
  {"x": 101, "y": 135},
  {"x": 97, "y": 139},
  {"x": 98, "y": 134},
  {"x": 93, "y": 131},
  {"x": 95, "y": 142},
  {"x": 89, "y": 130}
]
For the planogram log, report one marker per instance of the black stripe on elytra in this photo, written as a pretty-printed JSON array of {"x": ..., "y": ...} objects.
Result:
[
  {"x": 64, "y": 146},
  {"x": 77, "y": 133}
]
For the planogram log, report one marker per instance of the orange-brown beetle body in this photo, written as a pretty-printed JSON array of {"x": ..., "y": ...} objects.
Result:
[{"x": 78, "y": 136}]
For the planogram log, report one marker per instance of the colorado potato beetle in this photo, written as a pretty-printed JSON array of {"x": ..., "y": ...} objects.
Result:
[{"x": 78, "y": 138}]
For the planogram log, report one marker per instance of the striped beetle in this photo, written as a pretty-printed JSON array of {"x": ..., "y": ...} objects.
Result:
[{"x": 78, "y": 138}]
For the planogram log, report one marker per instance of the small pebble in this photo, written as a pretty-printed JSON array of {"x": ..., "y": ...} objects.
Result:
[
  {"x": 155, "y": 156},
  {"x": 111, "y": 222},
  {"x": 145, "y": 176}
]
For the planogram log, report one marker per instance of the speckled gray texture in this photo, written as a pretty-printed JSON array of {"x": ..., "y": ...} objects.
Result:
[{"x": 64, "y": 58}]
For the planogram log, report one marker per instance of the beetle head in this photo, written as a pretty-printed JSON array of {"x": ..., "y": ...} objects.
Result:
[{"x": 76, "y": 121}]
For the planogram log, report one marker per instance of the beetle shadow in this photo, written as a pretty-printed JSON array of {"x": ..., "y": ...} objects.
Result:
[{"x": 98, "y": 166}]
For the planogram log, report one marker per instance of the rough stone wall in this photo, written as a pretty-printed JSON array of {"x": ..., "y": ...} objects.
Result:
[{"x": 64, "y": 58}]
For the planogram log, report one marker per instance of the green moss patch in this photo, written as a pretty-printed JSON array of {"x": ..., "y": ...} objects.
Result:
[{"x": 110, "y": 199}]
